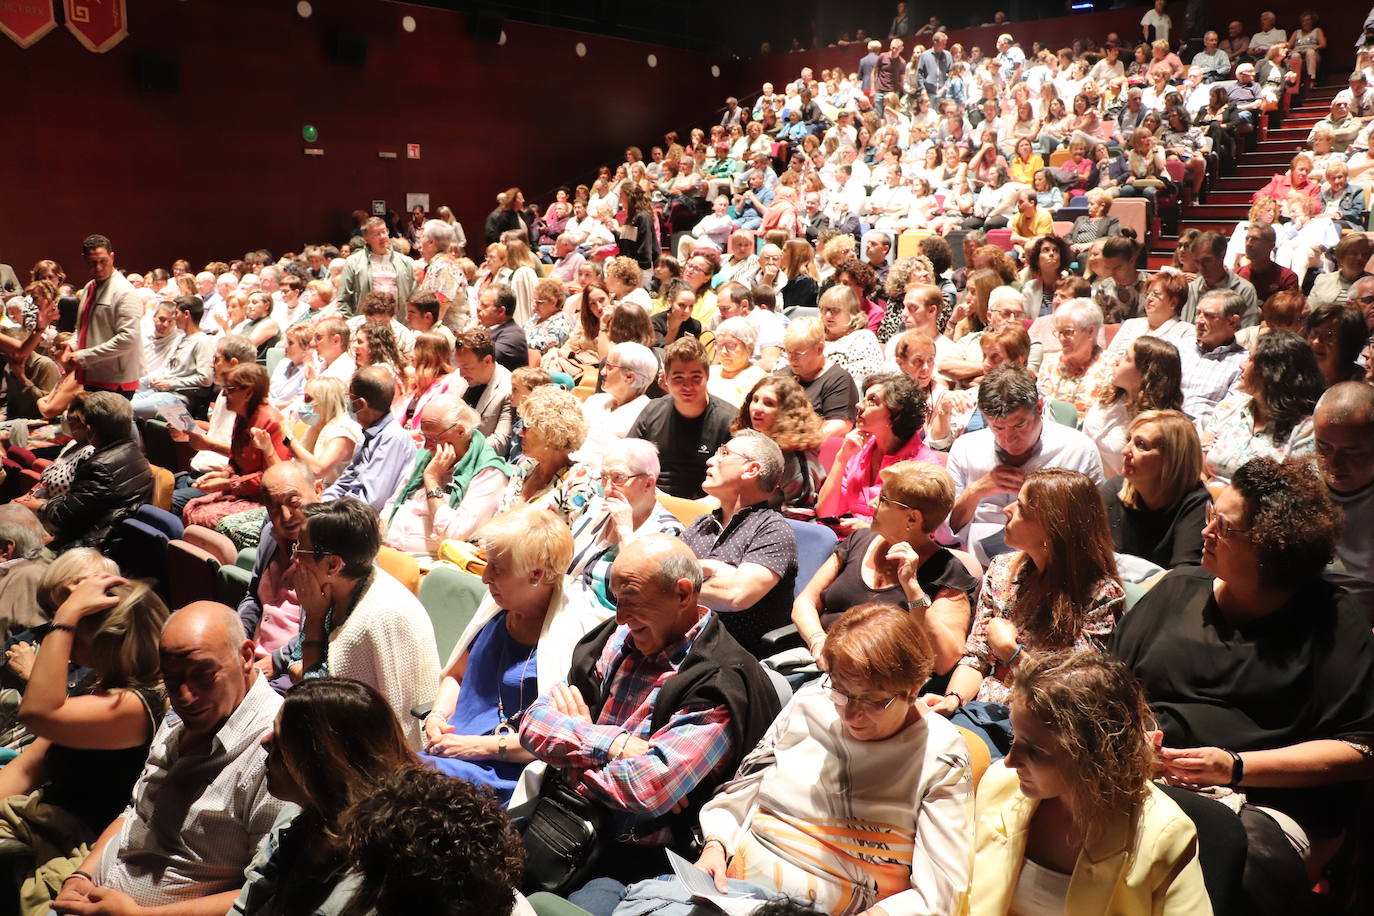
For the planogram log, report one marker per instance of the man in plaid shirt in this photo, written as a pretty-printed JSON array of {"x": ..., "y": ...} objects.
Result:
[{"x": 659, "y": 707}]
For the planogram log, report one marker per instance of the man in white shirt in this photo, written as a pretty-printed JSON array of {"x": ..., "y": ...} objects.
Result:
[
  {"x": 332, "y": 359},
  {"x": 1345, "y": 447},
  {"x": 990, "y": 465},
  {"x": 1359, "y": 97},
  {"x": 201, "y": 807},
  {"x": 1267, "y": 36}
]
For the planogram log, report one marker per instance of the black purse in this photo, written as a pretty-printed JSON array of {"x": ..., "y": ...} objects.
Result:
[{"x": 562, "y": 839}]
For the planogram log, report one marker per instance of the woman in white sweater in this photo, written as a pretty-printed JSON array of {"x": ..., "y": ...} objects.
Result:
[{"x": 856, "y": 798}]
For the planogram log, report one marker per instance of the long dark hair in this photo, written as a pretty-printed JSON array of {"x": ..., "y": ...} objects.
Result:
[
  {"x": 1289, "y": 380},
  {"x": 1161, "y": 377}
]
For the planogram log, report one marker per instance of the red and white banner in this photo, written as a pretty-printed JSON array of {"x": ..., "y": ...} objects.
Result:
[
  {"x": 97, "y": 24},
  {"x": 26, "y": 21}
]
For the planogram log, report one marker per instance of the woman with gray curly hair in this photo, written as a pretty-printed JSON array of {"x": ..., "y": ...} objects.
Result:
[{"x": 546, "y": 474}]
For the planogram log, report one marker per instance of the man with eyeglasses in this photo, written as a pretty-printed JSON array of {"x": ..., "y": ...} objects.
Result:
[
  {"x": 1212, "y": 365},
  {"x": 626, "y": 510},
  {"x": 989, "y": 465},
  {"x": 687, "y": 424},
  {"x": 1344, "y": 424},
  {"x": 747, "y": 550},
  {"x": 454, "y": 485},
  {"x": 828, "y": 386}
]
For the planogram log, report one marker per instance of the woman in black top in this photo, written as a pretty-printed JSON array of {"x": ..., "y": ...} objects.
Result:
[
  {"x": 1261, "y": 674},
  {"x": 67, "y": 786},
  {"x": 1157, "y": 507},
  {"x": 896, "y": 561},
  {"x": 799, "y": 266},
  {"x": 638, "y": 239}
]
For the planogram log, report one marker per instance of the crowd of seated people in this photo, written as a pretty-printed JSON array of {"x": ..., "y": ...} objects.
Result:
[{"x": 856, "y": 535}]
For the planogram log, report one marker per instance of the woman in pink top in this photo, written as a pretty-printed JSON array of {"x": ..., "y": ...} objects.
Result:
[
  {"x": 1295, "y": 179},
  {"x": 890, "y": 428}
]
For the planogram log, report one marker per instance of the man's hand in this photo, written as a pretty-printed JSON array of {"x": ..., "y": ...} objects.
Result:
[
  {"x": 445, "y": 457},
  {"x": 265, "y": 666},
  {"x": 75, "y": 890},
  {"x": 67, "y": 358},
  {"x": 100, "y": 901},
  {"x": 568, "y": 700},
  {"x": 713, "y": 568},
  {"x": 1002, "y": 479}
]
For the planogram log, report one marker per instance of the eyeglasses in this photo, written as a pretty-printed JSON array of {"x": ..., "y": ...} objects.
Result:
[
  {"x": 616, "y": 479},
  {"x": 1062, "y": 333},
  {"x": 1225, "y": 530},
  {"x": 884, "y": 498},
  {"x": 315, "y": 552},
  {"x": 857, "y": 704},
  {"x": 230, "y": 389},
  {"x": 1363, "y": 300}
]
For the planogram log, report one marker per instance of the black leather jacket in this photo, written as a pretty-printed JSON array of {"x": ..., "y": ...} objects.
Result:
[{"x": 111, "y": 483}]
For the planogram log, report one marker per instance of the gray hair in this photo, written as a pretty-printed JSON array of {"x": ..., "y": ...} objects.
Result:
[
  {"x": 438, "y": 232},
  {"x": 1084, "y": 313},
  {"x": 1000, "y": 294},
  {"x": 758, "y": 447},
  {"x": 450, "y": 410},
  {"x": 674, "y": 565},
  {"x": 639, "y": 361},
  {"x": 20, "y": 527},
  {"x": 640, "y": 455},
  {"x": 1007, "y": 389},
  {"x": 1232, "y": 305},
  {"x": 739, "y": 328}
]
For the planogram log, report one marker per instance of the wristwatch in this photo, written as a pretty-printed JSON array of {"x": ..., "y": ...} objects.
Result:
[
  {"x": 1237, "y": 769},
  {"x": 918, "y": 604},
  {"x": 436, "y": 493}
]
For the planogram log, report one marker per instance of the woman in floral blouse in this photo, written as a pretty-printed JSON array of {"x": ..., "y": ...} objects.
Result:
[{"x": 1080, "y": 373}]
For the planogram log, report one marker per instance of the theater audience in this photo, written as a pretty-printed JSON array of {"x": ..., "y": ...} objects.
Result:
[
  {"x": 990, "y": 466},
  {"x": 1081, "y": 372},
  {"x": 201, "y": 807},
  {"x": 777, "y": 407},
  {"x": 1337, "y": 334},
  {"x": 626, "y": 375},
  {"x": 356, "y": 620},
  {"x": 828, "y": 386},
  {"x": 659, "y": 708},
  {"x": 380, "y": 461},
  {"x": 734, "y": 372},
  {"x": 1076, "y": 789},
  {"x": 434, "y": 374},
  {"x": 1271, "y": 412},
  {"x": 1193, "y": 642},
  {"x": 453, "y": 486},
  {"x": 1164, "y": 296},
  {"x": 1212, "y": 365},
  {"x": 488, "y": 382},
  {"x": 687, "y": 424},
  {"x": 849, "y": 343},
  {"x": 517, "y": 647},
  {"x": 547, "y": 475},
  {"x": 896, "y": 561},
  {"x": 1147, "y": 377},
  {"x": 23, "y": 562}
]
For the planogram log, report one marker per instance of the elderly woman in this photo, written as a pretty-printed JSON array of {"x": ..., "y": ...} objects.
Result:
[
  {"x": 732, "y": 373},
  {"x": 1165, "y": 294},
  {"x": 854, "y": 755},
  {"x": 546, "y": 475},
  {"x": 1047, "y": 261},
  {"x": 1271, "y": 413},
  {"x": 1343, "y": 201},
  {"x": 896, "y": 561},
  {"x": 356, "y": 620},
  {"x": 849, "y": 343},
  {"x": 1352, "y": 254},
  {"x": 110, "y": 483},
  {"x": 628, "y": 372},
  {"x": 517, "y": 647},
  {"x": 1289, "y": 734},
  {"x": 237, "y": 487},
  {"x": 1056, "y": 588},
  {"x": 1148, "y": 376},
  {"x": 1081, "y": 372},
  {"x": 1337, "y": 334},
  {"x": 442, "y": 275},
  {"x": 778, "y": 407},
  {"x": 335, "y": 743},
  {"x": 548, "y": 328},
  {"x": 1098, "y": 224},
  {"x": 889, "y": 429},
  {"x": 111, "y": 627},
  {"x": 1076, "y": 786},
  {"x": 1156, "y": 505},
  {"x": 1297, "y": 178}
]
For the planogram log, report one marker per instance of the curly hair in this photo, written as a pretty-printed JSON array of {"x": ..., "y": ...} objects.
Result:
[
  {"x": 1053, "y": 601},
  {"x": 557, "y": 415},
  {"x": 1096, "y": 709},
  {"x": 382, "y": 349},
  {"x": 428, "y": 843},
  {"x": 1294, "y": 524},
  {"x": 1288, "y": 379},
  {"x": 905, "y": 403},
  {"x": 861, "y": 272},
  {"x": 797, "y": 427},
  {"x": 899, "y": 275},
  {"x": 994, "y": 258},
  {"x": 1039, "y": 245}
]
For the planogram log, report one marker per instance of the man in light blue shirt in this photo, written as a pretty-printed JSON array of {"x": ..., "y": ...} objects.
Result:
[{"x": 384, "y": 456}]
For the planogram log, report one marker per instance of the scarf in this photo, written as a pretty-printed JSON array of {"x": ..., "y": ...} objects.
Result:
[{"x": 476, "y": 459}]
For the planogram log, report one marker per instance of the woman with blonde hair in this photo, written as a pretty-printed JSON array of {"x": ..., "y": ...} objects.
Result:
[
  {"x": 495, "y": 269},
  {"x": 848, "y": 341},
  {"x": 104, "y": 726},
  {"x": 1091, "y": 832},
  {"x": 778, "y": 407},
  {"x": 524, "y": 267},
  {"x": 1056, "y": 588},
  {"x": 1157, "y": 505},
  {"x": 332, "y": 434},
  {"x": 799, "y": 267},
  {"x": 549, "y": 327}
]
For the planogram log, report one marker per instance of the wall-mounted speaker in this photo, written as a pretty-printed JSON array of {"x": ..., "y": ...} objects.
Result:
[
  {"x": 348, "y": 49},
  {"x": 485, "y": 26},
  {"x": 157, "y": 71}
]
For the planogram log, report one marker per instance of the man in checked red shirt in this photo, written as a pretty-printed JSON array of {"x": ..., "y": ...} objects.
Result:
[
  {"x": 658, "y": 709},
  {"x": 107, "y": 351}
]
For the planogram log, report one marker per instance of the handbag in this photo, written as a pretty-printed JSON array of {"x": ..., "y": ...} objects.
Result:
[{"x": 562, "y": 839}]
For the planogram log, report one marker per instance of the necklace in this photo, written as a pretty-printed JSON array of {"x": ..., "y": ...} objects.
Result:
[{"x": 505, "y": 728}]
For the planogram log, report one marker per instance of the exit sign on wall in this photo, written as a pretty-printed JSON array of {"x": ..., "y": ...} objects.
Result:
[{"x": 412, "y": 151}]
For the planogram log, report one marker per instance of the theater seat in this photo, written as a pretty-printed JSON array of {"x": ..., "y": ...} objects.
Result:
[
  {"x": 400, "y": 567},
  {"x": 450, "y": 596},
  {"x": 979, "y": 757},
  {"x": 191, "y": 573},
  {"x": 546, "y": 904},
  {"x": 164, "y": 482},
  {"x": 231, "y": 584},
  {"x": 686, "y": 511},
  {"x": 815, "y": 544},
  {"x": 213, "y": 543}
]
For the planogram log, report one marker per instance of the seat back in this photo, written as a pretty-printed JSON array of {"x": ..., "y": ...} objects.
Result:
[
  {"x": 1065, "y": 414},
  {"x": 1001, "y": 238},
  {"x": 450, "y": 596},
  {"x": 686, "y": 511},
  {"x": 212, "y": 542},
  {"x": 1059, "y": 157},
  {"x": 231, "y": 584},
  {"x": 815, "y": 544},
  {"x": 1131, "y": 213},
  {"x": 979, "y": 757},
  {"x": 546, "y": 904},
  {"x": 247, "y": 558},
  {"x": 274, "y": 356},
  {"x": 164, "y": 482},
  {"x": 160, "y": 519},
  {"x": 401, "y": 567},
  {"x": 191, "y": 573}
]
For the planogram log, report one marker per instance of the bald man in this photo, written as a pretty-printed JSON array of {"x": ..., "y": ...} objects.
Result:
[
  {"x": 687, "y": 703},
  {"x": 1345, "y": 447},
  {"x": 201, "y": 806},
  {"x": 454, "y": 485}
]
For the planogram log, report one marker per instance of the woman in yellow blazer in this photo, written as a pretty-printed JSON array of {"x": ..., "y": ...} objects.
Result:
[{"x": 1070, "y": 822}]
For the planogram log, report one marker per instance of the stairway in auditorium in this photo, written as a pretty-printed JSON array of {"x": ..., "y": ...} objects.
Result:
[{"x": 1228, "y": 199}]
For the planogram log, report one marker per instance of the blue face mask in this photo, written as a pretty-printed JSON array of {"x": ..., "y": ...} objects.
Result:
[
  {"x": 308, "y": 414},
  {"x": 353, "y": 414}
]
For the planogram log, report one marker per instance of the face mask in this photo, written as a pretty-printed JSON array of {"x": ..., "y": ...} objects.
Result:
[
  {"x": 308, "y": 414},
  {"x": 353, "y": 414}
]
